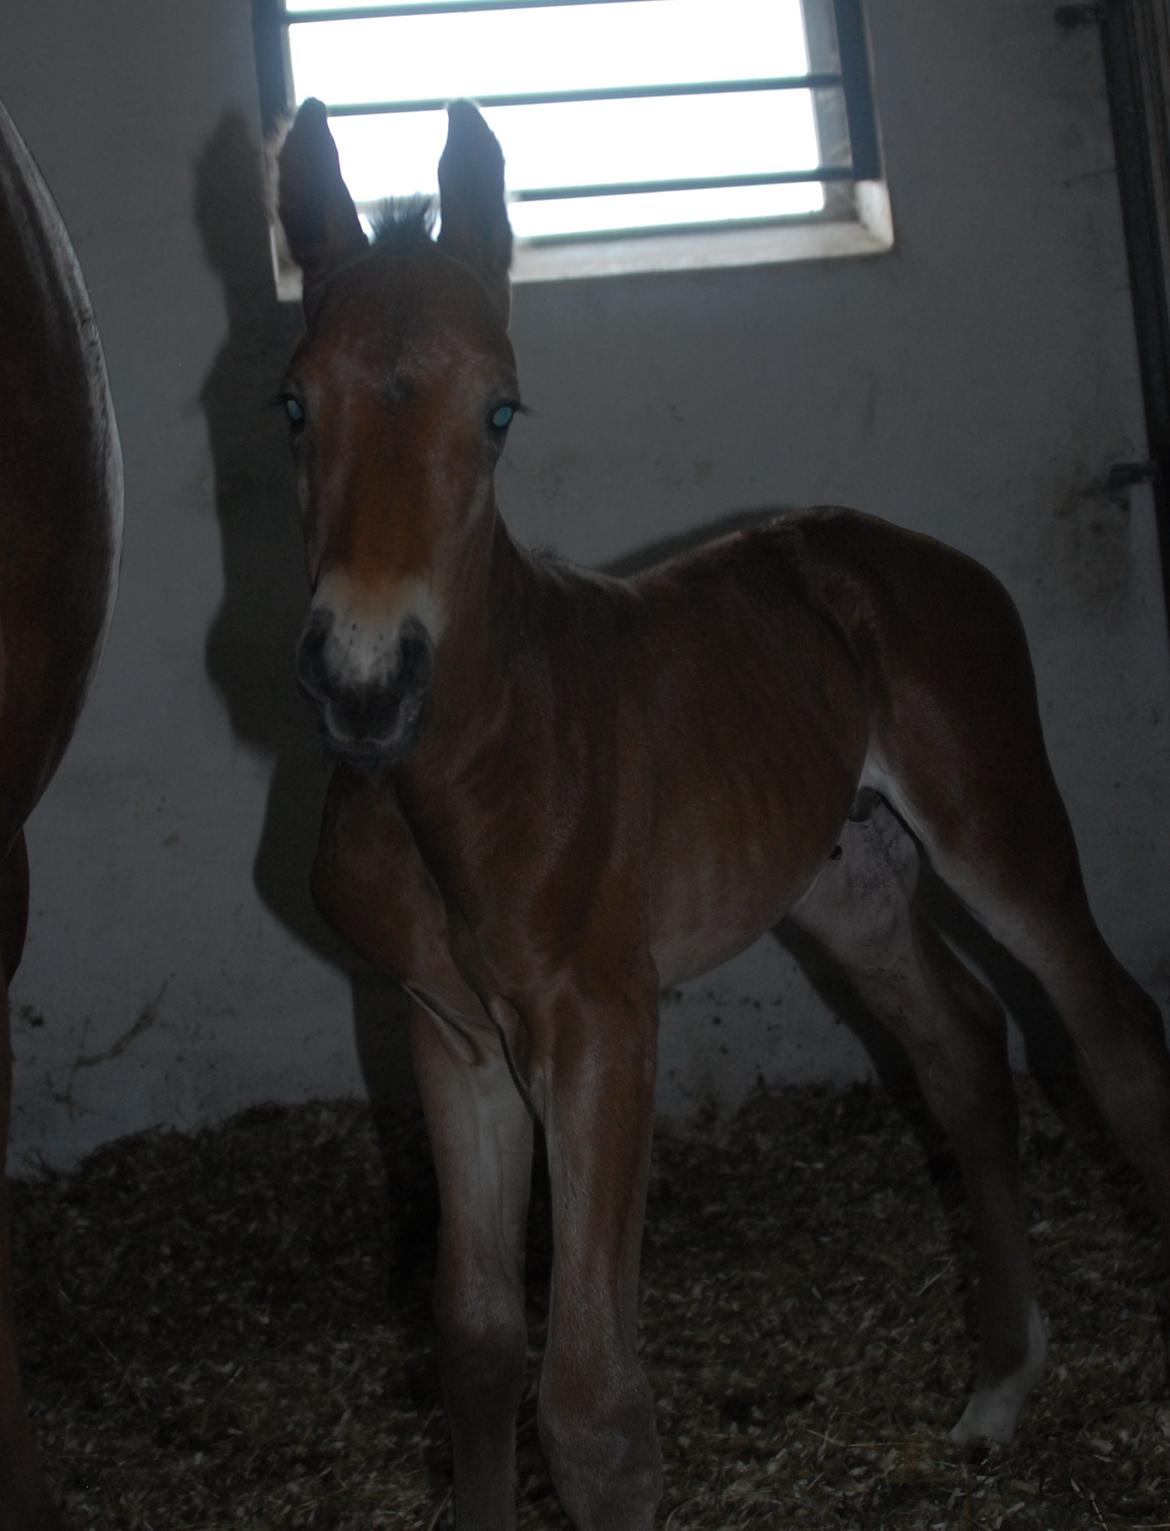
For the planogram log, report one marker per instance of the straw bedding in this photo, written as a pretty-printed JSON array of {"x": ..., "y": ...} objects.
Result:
[{"x": 231, "y": 1329}]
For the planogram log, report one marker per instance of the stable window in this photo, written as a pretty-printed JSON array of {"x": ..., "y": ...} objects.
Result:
[{"x": 637, "y": 133}]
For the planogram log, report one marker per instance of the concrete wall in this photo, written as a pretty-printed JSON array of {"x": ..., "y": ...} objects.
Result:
[{"x": 977, "y": 382}]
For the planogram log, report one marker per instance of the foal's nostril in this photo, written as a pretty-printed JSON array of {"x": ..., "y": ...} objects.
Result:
[
  {"x": 310, "y": 660},
  {"x": 415, "y": 659}
]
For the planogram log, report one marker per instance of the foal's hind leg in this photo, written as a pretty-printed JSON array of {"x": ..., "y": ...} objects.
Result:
[
  {"x": 961, "y": 758},
  {"x": 1114, "y": 1024},
  {"x": 863, "y": 909}
]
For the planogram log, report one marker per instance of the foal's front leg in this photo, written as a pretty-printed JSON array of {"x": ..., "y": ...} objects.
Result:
[
  {"x": 481, "y": 1138},
  {"x": 593, "y": 1084}
]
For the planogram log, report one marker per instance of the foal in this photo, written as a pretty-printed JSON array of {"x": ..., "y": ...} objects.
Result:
[{"x": 527, "y": 828}]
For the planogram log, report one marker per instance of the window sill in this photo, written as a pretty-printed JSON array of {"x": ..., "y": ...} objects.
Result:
[
  {"x": 869, "y": 233},
  {"x": 703, "y": 251}
]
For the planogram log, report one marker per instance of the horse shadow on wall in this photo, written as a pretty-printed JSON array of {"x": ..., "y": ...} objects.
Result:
[{"x": 249, "y": 649}]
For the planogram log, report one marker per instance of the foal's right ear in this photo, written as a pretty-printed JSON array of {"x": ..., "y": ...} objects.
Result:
[
  {"x": 475, "y": 227},
  {"x": 319, "y": 218}
]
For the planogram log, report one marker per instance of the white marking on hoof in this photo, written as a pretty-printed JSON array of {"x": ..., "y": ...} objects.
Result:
[{"x": 992, "y": 1412}]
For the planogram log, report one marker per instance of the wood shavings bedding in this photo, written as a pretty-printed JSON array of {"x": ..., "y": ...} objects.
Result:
[{"x": 231, "y": 1329}]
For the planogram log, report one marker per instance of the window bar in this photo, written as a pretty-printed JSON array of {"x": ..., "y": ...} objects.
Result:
[
  {"x": 609, "y": 93},
  {"x": 273, "y": 65},
  {"x": 853, "y": 51},
  {"x": 286, "y": 18},
  {"x": 696, "y": 183},
  {"x": 641, "y": 231}
]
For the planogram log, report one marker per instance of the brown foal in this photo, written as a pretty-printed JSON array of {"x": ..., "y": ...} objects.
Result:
[
  {"x": 528, "y": 828},
  {"x": 60, "y": 529}
]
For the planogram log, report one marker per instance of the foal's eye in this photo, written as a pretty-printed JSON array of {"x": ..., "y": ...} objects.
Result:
[
  {"x": 295, "y": 411},
  {"x": 501, "y": 417}
]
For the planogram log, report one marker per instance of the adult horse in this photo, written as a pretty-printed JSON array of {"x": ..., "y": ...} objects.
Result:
[
  {"x": 60, "y": 530},
  {"x": 557, "y": 792}
]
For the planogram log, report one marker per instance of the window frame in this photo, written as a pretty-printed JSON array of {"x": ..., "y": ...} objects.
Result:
[{"x": 855, "y": 217}]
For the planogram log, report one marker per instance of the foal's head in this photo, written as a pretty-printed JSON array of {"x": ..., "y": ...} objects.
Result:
[{"x": 398, "y": 399}]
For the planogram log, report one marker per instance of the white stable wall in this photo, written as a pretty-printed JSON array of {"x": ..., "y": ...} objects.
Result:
[{"x": 976, "y": 382}]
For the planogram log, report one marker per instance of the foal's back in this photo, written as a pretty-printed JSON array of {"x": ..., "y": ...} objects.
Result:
[{"x": 723, "y": 709}]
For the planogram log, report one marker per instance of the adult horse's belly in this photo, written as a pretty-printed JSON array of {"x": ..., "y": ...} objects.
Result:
[{"x": 60, "y": 487}]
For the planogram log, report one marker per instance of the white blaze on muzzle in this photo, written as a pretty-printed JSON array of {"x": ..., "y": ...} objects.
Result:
[{"x": 365, "y": 626}]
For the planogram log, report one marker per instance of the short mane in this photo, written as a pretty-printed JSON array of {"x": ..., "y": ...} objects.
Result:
[{"x": 402, "y": 224}]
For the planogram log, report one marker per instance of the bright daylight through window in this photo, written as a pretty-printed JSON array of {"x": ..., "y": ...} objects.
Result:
[{"x": 617, "y": 117}]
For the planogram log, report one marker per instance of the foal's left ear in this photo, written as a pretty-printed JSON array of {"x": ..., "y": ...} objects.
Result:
[
  {"x": 475, "y": 227},
  {"x": 319, "y": 218}
]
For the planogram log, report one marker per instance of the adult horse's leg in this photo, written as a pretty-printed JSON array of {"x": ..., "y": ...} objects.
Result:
[
  {"x": 863, "y": 909},
  {"x": 593, "y": 1084},
  {"x": 481, "y": 1131},
  {"x": 24, "y": 1499},
  {"x": 25, "y": 1502}
]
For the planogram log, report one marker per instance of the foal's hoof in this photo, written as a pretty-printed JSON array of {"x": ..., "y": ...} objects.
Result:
[
  {"x": 985, "y": 1421},
  {"x": 992, "y": 1411}
]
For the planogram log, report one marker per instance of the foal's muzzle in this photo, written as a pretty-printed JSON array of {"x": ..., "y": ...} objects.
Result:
[{"x": 366, "y": 718}]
